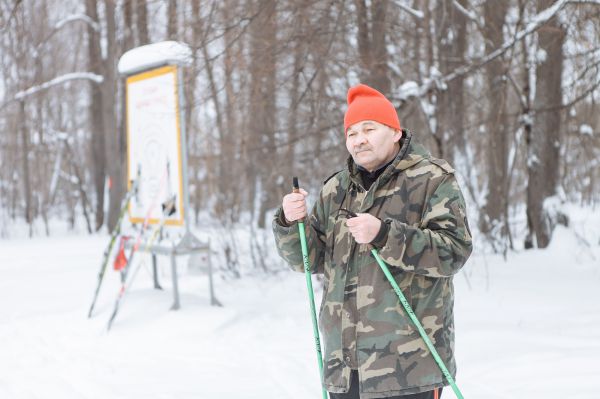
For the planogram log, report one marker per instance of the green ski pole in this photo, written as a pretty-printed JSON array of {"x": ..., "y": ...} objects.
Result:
[
  {"x": 417, "y": 323},
  {"x": 311, "y": 296}
]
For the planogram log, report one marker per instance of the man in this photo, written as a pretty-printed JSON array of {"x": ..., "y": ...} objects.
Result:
[{"x": 408, "y": 205}]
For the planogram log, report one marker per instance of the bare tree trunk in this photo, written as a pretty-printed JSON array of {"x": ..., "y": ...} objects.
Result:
[
  {"x": 231, "y": 147},
  {"x": 42, "y": 151},
  {"x": 526, "y": 98},
  {"x": 80, "y": 185},
  {"x": 543, "y": 154},
  {"x": 25, "y": 148},
  {"x": 114, "y": 153},
  {"x": 223, "y": 162},
  {"x": 96, "y": 110},
  {"x": 118, "y": 146},
  {"x": 142, "y": 21},
  {"x": 292, "y": 117},
  {"x": 372, "y": 44},
  {"x": 429, "y": 35},
  {"x": 363, "y": 39},
  {"x": 452, "y": 41},
  {"x": 380, "y": 74},
  {"x": 416, "y": 44},
  {"x": 128, "y": 37},
  {"x": 496, "y": 127},
  {"x": 192, "y": 75},
  {"x": 262, "y": 106},
  {"x": 431, "y": 123},
  {"x": 172, "y": 20}
]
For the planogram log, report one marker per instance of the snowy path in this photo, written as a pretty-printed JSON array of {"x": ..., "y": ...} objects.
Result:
[{"x": 528, "y": 328}]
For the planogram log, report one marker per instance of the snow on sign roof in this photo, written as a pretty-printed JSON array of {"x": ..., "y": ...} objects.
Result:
[{"x": 154, "y": 55}]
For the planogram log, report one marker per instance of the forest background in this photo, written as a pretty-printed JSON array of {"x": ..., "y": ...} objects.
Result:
[{"x": 506, "y": 91}]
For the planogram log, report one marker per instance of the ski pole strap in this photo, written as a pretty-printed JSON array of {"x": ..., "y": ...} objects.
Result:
[{"x": 417, "y": 323}]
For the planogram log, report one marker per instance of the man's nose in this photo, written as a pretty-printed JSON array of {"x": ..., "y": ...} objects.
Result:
[{"x": 360, "y": 140}]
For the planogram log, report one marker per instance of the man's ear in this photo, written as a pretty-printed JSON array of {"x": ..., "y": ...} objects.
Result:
[{"x": 397, "y": 135}]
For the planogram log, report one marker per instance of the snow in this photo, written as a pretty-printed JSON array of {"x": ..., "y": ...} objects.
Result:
[
  {"x": 586, "y": 130},
  {"x": 541, "y": 56},
  {"x": 532, "y": 160},
  {"x": 526, "y": 119},
  {"x": 408, "y": 89},
  {"x": 77, "y": 17},
  {"x": 525, "y": 328},
  {"x": 414, "y": 12},
  {"x": 545, "y": 15},
  {"x": 154, "y": 55}
]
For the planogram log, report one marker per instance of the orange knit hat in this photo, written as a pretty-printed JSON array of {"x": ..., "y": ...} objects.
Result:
[{"x": 366, "y": 103}]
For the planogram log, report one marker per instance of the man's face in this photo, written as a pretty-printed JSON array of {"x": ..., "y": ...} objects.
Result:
[{"x": 372, "y": 144}]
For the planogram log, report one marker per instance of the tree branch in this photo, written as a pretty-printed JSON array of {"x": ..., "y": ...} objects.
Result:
[
  {"x": 54, "y": 82},
  {"x": 77, "y": 17},
  {"x": 415, "y": 13},
  {"x": 534, "y": 24}
]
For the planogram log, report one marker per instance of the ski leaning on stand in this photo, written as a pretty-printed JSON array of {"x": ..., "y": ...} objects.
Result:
[
  {"x": 168, "y": 208},
  {"x": 113, "y": 238}
]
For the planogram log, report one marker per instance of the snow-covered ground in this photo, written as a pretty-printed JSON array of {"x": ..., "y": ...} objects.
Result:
[{"x": 527, "y": 327}]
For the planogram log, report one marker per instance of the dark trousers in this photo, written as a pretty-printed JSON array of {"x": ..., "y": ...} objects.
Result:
[{"x": 353, "y": 392}]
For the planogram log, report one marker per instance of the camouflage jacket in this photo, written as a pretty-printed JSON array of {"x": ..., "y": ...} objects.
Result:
[{"x": 362, "y": 322}]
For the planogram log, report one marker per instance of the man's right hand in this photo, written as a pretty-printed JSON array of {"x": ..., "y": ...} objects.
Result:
[{"x": 294, "y": 206}]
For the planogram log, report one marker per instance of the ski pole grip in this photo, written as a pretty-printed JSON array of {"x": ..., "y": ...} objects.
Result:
[{"x": 296, "y": 189}]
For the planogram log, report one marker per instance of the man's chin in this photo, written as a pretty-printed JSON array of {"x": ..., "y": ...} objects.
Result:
[
  {"x": 362, "y": 157},
  {"x": 364, "y": 163}
]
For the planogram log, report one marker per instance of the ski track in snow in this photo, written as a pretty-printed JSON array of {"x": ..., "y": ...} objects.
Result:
[{"x": 526, "y": 328}]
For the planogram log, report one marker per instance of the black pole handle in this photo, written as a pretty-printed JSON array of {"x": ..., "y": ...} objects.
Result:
[{"x": 295, "y": 184}]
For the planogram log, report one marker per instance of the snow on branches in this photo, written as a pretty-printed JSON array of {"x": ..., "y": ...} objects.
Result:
[
  {"x": 78, "y": 17},
  {"x": 532, "y": 25},
  {"x": 59, "y": 80}
]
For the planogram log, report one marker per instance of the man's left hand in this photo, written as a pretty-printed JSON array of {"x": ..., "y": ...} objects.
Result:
[{"x": 364, "y": 227}]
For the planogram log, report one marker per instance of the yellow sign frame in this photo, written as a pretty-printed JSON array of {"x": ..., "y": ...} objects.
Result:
[{"x": 137, "y": 85}]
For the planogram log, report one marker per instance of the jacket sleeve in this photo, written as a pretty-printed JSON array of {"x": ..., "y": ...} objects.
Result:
[
  {"x": 441, "y": 244},
  {"x": 287, "y": 239}
]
